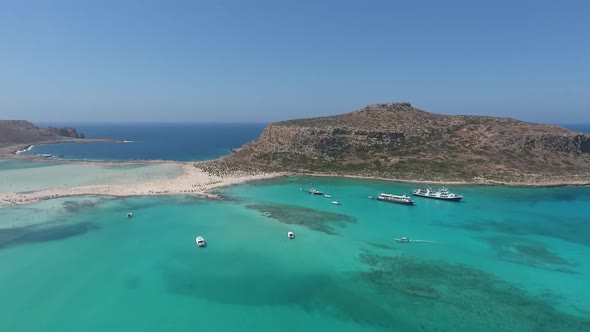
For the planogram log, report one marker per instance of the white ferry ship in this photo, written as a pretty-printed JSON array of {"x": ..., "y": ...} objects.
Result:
[
  {"x": 442, "y": 194},
  {"x": 403, "y": 199}
]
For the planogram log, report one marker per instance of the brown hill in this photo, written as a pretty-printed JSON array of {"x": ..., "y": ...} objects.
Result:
[
  {"x": 399, "y": 141},
  {"x": 15, "y": 132}
]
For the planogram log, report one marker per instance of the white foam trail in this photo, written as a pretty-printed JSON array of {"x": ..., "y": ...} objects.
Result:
[{"x": 25, "y": 150}]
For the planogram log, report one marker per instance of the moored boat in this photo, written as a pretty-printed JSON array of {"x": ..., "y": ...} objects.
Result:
[
  {"x": 442, "y": 194},
  {"x": 327, "y": 195},
  {"x": 403, "y": 199},
  {"x": 291, "y": 235},
  {"x": 336, "y": 202},
  {"x": 314, "y": 191},
  {"x": 129, "y": 215},
  {"x": 200, "y": 241}
]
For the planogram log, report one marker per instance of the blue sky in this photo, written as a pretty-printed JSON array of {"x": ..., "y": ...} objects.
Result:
[{"x": 229, "y": 61}]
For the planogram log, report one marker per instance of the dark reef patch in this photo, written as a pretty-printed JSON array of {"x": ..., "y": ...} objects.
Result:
[
  {"x": 526, "y": 252},
  {"x": 393, "y": 293},
  {"x": 573, "y": 229},
  {"x": 42, "y": 233},
  {"x": 449, "y": 291},
  {"x": 381, "y": 246},
  {"x": 77, "y": 206},
  {"x": 250, "y": 281},
  {"x": 313, "y": 219}
]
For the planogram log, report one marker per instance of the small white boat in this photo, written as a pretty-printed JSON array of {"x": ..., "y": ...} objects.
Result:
[
  {"x": 200, "y": 241},
  {"x": 129, "y": 215},
  {"x": 403, "y": 240},
  {"x": 314, "y": 191},
  {"x": 336, "y": 203},
  {"x": 328, "y": 196},
  {"x": 291, "y": 235}
]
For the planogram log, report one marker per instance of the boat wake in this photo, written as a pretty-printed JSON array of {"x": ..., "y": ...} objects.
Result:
[
  {"x": 406, "y": 240},
  {"x": 424, "y": 241},
  {"x": 29, "y": 148}
]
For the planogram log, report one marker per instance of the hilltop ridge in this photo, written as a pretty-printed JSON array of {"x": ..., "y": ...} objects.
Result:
[
  {"x": 398, "y": 141},
  {"x": 24, "y": 132}
]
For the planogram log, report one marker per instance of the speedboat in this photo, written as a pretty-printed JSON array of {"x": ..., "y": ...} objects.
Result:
[
  {"x": 403, "y": 240},
  {"x": 200, "y": 241},
  {"x": 129, "y": 215},
  {"x": 336, "y": 203},
  {"x": 328, "y": 196},
  {"x": 291, "y": 235}
]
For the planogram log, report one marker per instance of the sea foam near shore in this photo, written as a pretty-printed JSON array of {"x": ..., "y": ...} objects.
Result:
[{"x": 29, "y": 148}]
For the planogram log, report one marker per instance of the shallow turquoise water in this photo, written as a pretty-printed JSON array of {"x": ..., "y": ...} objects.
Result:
[
  {"x": 507, "y": 259},
  {"x": 23, "y": 175}
]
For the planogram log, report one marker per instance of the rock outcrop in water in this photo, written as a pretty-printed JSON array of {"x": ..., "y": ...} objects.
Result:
[
  {"x": 14, "y": 132},
  {"x": 399, "y": 141}
]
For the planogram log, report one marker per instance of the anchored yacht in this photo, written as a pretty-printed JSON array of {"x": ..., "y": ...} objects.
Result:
[
  {"x": 442, "y": 194},
  {"x": 403, "y": 199}
]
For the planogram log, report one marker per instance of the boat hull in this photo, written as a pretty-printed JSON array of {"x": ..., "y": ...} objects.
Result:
[
  {"x": 452, "y": 199},
  {"x": 396, "y": 202}
]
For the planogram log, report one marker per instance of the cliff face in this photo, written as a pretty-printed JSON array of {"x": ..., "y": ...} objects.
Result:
[
  {"x": 23, "y": 132},
  {"x": 399, "y": 141}
]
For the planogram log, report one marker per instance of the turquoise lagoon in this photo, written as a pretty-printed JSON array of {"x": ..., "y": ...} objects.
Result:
[{"x": 506, "y": 259}]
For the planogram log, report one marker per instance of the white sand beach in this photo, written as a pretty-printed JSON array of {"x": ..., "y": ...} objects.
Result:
[{"x": 191, "y": 181}]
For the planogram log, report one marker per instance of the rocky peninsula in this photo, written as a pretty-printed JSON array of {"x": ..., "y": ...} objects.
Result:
[
  {"x": 400, "y": 142},
  {"x": 16, "y": 135}
]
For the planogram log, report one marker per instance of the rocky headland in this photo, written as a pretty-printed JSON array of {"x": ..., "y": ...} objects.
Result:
[
  {"x": 398, "y": 141},
  {"x": 19, "y": 134}
]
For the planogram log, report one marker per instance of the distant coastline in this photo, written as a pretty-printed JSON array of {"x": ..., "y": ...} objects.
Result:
[
  {"x": 200, "y": 178},
  {"x": 16, "y": 151}
]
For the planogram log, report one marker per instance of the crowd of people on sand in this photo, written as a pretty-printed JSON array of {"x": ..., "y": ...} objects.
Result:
[{"x": 20, "y": 199}]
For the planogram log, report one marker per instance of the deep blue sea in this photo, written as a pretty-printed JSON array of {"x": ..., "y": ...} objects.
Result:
[
  {"x": 585, "y": 128},
  {"x": 147, "y": 141}
]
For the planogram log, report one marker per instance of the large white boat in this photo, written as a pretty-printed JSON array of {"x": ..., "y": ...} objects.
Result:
[
  {"x": 200, "y": 241},
  {"x": 314, "y": 191},
  {"x": 442, "y": 194},
  {"x": 403, "y": 199}
]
